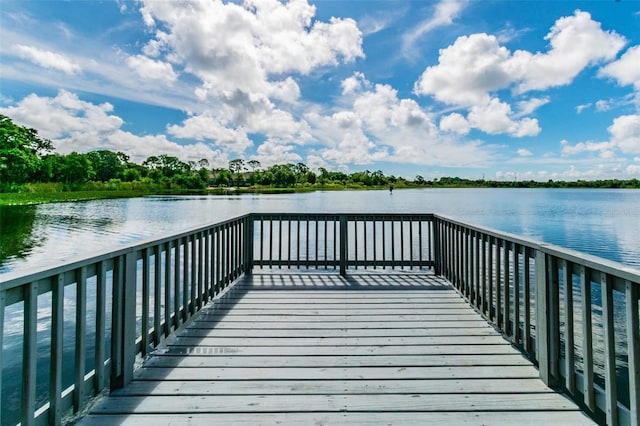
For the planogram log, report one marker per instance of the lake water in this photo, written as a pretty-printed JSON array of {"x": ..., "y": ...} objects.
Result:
[
  {"x": 605, "y": 223},
  {"x": 601, "y": 222}
]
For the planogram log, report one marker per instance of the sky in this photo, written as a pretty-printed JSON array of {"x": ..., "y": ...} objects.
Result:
[{"x": 506, "y": 90}]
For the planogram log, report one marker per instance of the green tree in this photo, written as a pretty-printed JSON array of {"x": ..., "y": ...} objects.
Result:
[
  {"x": 20, "y": 152},
  {"x": 106, "y": 164}
]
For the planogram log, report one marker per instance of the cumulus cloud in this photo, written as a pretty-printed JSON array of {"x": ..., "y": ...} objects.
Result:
[
  {"x": 455, "y": 123},
  {"x": 248, "y": 47},
  {"x": 474, "y": 68},
  {"x": 624, "y": 138},
  {"x": 76, "y": 125},
  {"x": 524, "y": 152},
  {"x": 47, "y": 59},
  {"x": 272, "y": 152},
  {"x": 151, "y": 69},
  {"x": 625, "y": 70}
]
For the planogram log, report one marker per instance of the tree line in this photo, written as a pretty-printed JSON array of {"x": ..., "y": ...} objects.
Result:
[{"x": 27, "y": 158}]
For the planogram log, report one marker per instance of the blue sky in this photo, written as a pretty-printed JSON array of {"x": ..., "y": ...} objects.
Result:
[{"x": 501, "y": 89}]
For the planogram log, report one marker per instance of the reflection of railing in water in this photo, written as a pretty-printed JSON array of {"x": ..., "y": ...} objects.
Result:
[{"x": 147, "y": 291}]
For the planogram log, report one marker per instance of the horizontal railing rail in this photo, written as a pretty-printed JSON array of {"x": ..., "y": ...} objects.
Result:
[
  {"x": 80, "y": 326},
  {"x": 121, "y": 304},
  {"x": 575, "y": 314}
]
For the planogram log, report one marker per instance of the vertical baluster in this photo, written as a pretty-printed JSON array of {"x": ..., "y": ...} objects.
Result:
[
  {"x": 218, "y": 232},
  {"x": 355, "y": 240},
  {"x": 29, "y": 353},
  {"x": 384, "y": 246},
  {"x": 193, "y": 263},
  {"x": 117, "y": 317},
  {"x": 526, "y": 273},
  {"x": 364, "y": 231},
  {"x": 298, "y": 244},
  {"x": 477, "y": 269},
  {"x": 326, "y": 255},
  {"x": 157, "y": 295},
  {"x": 411, "y": 259},
  {"x": 81, "y": 338},
  {"x": 207, "y": 266},
  {"x": 167, "y": 288},
  {"x": 177, "y": 315},
  {"x": 101, "y": 305},
  {"x": 307, "y": 239},
  {"x": 633, "y": 345},
  {"x": 145, "y": 300},
  {"x": 490, "y": 278},
  {"x": 611, "y": 396},
  {"x": 587, "y": 343},
  {"x": 55, "y": 363},
  {"x": 316, "y": 248},
  {"x": 401, "y": 227},
  {"x": 420, "y": 246},
  {"x": 280, "y": 243},
  {"x": 569, "y": 355},
  {"x": 375, "y": 243},
  {"x": 335, "y": 243},
  {"x": 517, "y": 334},
  {"x": 507, "y": 292},
  {"x": 499, "y": 283},
  {"x": 483, "y": 254},
  {"x": 393, "y": 223},
  {"x": 186, "y": 308},
  {"x": 270, "y": 243},
  {"x": 3, "y": 301},
  {"x": 289, "y": 243},
  {"x": 201, "y": 260},
  {"x": 261, "y": 243}
]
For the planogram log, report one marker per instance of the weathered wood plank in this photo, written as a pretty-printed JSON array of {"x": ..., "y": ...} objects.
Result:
[
  {"x": 477, "y": 418},
  {"x": 503, "y": 348},
  {"x": 326, "y": 333},
  {"x": 335, "y": 403},
  {"x": 337, "y": 373},
  {"x": 339, "y": 341},
  {"x": 334, "y": 387},
  {"x": 339, "y": 325},
  {"x": 338, "y": 360}
]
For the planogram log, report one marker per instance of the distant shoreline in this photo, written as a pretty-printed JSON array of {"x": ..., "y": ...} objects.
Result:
[{"x": 45, "y": 197}]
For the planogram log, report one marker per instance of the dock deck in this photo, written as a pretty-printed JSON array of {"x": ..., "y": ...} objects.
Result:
[{"x": 320, "y": 348}]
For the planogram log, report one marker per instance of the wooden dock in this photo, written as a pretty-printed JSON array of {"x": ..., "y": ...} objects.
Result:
[{"x": 320, "y": 348}]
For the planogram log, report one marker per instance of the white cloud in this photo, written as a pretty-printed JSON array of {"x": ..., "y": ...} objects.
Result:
[
  {"x": 476, "y": 66},
  {"x": 496, "y": 117},
  {"x": 625, "y": 70},
  {"x": 582, "y": 107},
  {"x": 150, "y": 69},
  {"x": 248, "y": 47},
  {"x": 47, "y": 59},
  {"x": 76, "y": 125},
  {"x": 445, "y": 12},
  {"x": 524, "y": 152},
  {"x": 576, "y": 42},
  {"x": 625, "y": 133},
  {"x": 455, "y": 123},
  {"x": 271, "y": 152},
  {"x": 207, "y": 127}
]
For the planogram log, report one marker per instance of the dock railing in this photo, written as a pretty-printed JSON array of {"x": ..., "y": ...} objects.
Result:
[{"x": 83, "y": 325}]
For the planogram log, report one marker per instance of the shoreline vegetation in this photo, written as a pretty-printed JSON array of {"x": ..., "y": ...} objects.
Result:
[{"x": 31, "y": 173}]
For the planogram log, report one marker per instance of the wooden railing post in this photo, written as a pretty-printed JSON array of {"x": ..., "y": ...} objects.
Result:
[
  {"x": 343, "y": 245},
  {"x": 248, "y": 246},
  {"x": 437, "y": 247},
  {"x": 547, "y": 318},
  {"x": 124, "y": 322}
]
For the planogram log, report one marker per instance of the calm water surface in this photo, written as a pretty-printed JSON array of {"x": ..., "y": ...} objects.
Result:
[{"x": 601, "y": 222}]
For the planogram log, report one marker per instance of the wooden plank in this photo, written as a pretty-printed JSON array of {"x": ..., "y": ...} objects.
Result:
[
  {"x": 335, "y": 403},
  {"x": 341, "y": 325},
  {"x": 334, "y": 387},
  {"x": 337, "y": 360},
  {"x": 339, "y": 341},
  {"x": 336, "y": 373},
  {"x": 503, "y": 348},
  {"x": 523, "y": 418},
  {"x": 300, "y": 333},
  {"x": 469, "y": 315}
]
